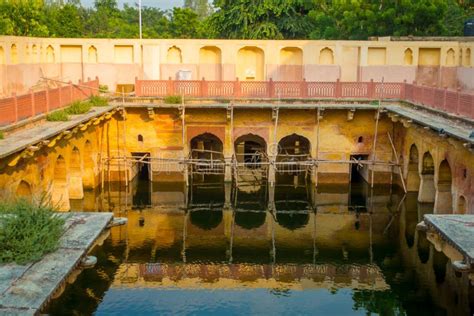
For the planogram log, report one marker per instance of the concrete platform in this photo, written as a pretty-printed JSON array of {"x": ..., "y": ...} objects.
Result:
[
  {"x": 456, "y": 230},
  {"x": 24, "y": 289}
]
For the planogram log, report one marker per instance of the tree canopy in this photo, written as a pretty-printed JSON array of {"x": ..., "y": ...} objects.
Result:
[{"x": 238, "y": 19}]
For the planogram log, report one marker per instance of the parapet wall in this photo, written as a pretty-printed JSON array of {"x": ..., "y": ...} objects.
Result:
[{"x": 24, "y": 61}]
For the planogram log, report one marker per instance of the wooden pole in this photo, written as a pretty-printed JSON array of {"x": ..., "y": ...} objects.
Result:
[
  {"x": 397, "y": 162},
  {"x": 317, "y": 147},
  {"x": 375, "y": 138}
]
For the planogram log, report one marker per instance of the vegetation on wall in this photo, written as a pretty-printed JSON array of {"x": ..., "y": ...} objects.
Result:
[
  {"x": 28, "y": 231},
  {"x": 245, "y": 19}
]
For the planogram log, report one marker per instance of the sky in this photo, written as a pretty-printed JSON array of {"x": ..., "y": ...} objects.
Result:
[{"x": 162, "y": 4}]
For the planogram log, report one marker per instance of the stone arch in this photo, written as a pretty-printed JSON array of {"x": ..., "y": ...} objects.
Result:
[
  {"x": 50, "y": 58},
  {"x": 76, "y": 191},
  {"x": 88, "y": 179},
  {"x": 408, "y": 57},
  {"x": 174, "y": 55},
  {"x": 294, "y": 144},
  {"x": 14, "y": 54},
  {"x": 461, "y": 205},
  {"x": 450, "y": 57},
  {"x": 210, "y": 63},
  {"x": 60, "y": 191},
  {"x": 326, "y": 56},
  {"x": 206, "y": 142},
  {"x": 34, "y": 54},
  {"x": 467, "y": 57},
  {"x": 23, "y": 190},
  {"x": 413, "y": 176},
  {"x": 427, "y": 190},
  {"x": 250, "y": 148},
  {"x": 92, "y": 55},
  {"x": 291, "y": 64},
  {"x": 251, "y": 63},
  {"x": 140, "y": 139},
  {"x": 443, "y": 198},
  {"x": 2, "y": 56}
]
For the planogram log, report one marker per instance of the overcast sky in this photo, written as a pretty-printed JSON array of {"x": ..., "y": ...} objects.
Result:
[{"x": 163, "y": 4}]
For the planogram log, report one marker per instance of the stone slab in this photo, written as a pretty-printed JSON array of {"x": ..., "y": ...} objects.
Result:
[
  {"x": 458, "y": 230},
  {"x": 20, "y": 140},
  {"x": 24, "y": 289}
]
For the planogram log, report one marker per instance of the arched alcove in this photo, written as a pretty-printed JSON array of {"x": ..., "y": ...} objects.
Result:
[
  {"x": 92, "y": 55},
  {"x": 24, "y": 190},
  {"x": 50, "y": 58},
  {"x": 291, "y": 64},
  {"x": 291, "y": 149},
  {"x": 250, "y": 149},
  {"x": 34, "y": 54},
  {"x": 443, "y": 199},
  {"x": 174, "y": 55},
  {"x": 60, "y": 191},
  {"x": 467, "y": 57},
  {"x": 450, "y": 57},
  {"x": 408, "y": 57},
  {"x": 427, "y": 188},
  {"x": 462, "y": 205},
  {"x": 13, "y": 54},
  {"x": 76, "y": 190},
  {"x": 413, "y": 176},
  {"x": 326, "y": 56},
  {"x": 210, "y": 63},
  {"x": 250, "y": 63}
]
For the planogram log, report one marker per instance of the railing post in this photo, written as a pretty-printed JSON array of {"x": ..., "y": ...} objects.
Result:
[
  {"x": 170, "y": 87},
  {"x": 203, "y": 91},
  {"x": 338, "y": 89},
  {"x": 458, "y": 92},
  {"x": 270, "y": 85},
  {"x": 47, "y": 99},
  {"x": 237, "y": 91},
  {"x": 304, "y": 89},
  {"x": 15, "y": 104},
  {"x": 371, "y": 89},
  {"x": 138, "y": 88},
  {"x": 33, "y": 108}
]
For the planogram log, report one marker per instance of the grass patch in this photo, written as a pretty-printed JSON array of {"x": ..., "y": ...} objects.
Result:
[
  {"x": 28, "y": 231},
  {"x": 57, "y": 116},
  {"x": 1, "y": 135},
  {"x": 96, "y": 100},
  {"x": 103, "y": 88},
  {"x": 78, "y": 107},
  {"x": 173, "y": 99}
]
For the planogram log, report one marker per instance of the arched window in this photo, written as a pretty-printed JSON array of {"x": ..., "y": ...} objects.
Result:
[
  {"x": 408, "y": 57},
  {"x": 92, "y": 55},
  {"x": 450, "y": 58},
  {"x": 140, "y": 138},
  {"x": 326, "y": 56},
  {"x": 174, "y": 55},
  {"x": 50, "y": 54}
]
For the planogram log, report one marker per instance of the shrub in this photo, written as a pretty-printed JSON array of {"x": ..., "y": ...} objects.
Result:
[
  {"x": 28, "y": 231},
  {"x": 103, "y": 88},
  {"x": 57, "y": 116},
  {"x": 96, "y": 100},
  {"x": 78, "y": 107},
  {"x": 1, "y": 135},
  {"x": 173, "y": 99}
]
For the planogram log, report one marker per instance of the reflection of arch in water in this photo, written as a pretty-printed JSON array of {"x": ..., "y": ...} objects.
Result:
[
  {"x": 427, "y": 187},
  {"x": 292, "y": 221},
  {"x": 439, "y": 266},
  {"x": 250, "y": 220},
  {"x": 411, "y": 218},
  {"x": 250, "y": 149},
  {"x": 413, "y": 176},
  {"x": 206, "y": 219},
  {"x": 23, "y": 190},
  {"x": 444, "y": 199},
  {"x": 423, "y": 247}
]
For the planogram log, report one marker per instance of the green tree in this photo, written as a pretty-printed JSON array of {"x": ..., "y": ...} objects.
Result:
[
  {"x": 185, "y": 23},
  {"x": 23, "y": 18},
  {"x": 201, "y": 7}
]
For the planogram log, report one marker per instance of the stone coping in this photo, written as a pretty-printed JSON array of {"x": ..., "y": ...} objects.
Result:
[
  {"x": 457, "y": 230},
  {"x": 25, "y": 289}
]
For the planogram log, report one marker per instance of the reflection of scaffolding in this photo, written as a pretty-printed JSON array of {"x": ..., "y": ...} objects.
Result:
[{"x": 205, "y": 162}]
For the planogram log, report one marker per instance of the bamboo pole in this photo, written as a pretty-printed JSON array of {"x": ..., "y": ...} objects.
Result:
[
  {"x": 397, "y": 162},
  {"x": 375, "y": 137}
]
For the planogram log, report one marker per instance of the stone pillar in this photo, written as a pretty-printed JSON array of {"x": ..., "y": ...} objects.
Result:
[
  {"x": 443, "y": 199},
  {"x": 228, "y": 169},
  {"x": 76, "y": 190},
  {"x": 427, "y": 189},
  {"x": 60, "y": 195}
]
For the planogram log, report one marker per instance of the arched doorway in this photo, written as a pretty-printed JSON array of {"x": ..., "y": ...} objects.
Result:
[
  {"x": 444, "y": 199},
  {"x": 210, "y": 63},
  {"x": 208, "y": 155},
  {"x": 60, "y": 191},
  {"x": 413, "y": 175},
  {"x": 24, "y": 190},
  {"x": 291, "y": 64},
  {"x": 427, "y": 188},
  {"x": 76, "y": 191},
  {"x": 250, "y": 63},
  {"x": 251, "y": 150},
  {"x": 292, "y": 150}
]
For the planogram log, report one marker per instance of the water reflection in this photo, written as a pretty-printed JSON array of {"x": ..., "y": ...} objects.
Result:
[{"x": 214, "y": 248}]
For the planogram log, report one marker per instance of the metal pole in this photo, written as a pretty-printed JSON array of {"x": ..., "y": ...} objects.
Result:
[{"x": 140, "y": 16}]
